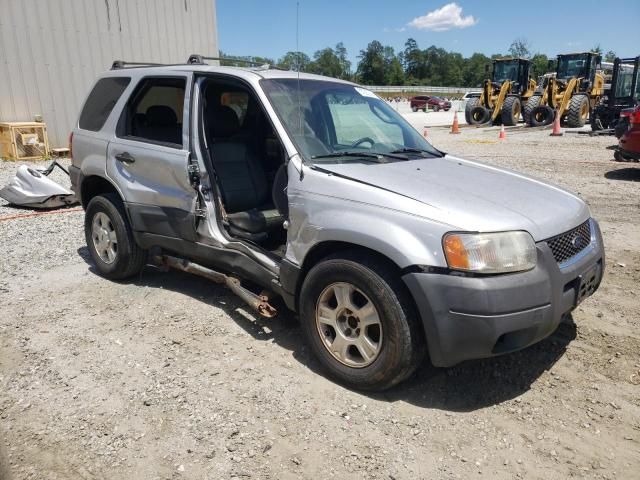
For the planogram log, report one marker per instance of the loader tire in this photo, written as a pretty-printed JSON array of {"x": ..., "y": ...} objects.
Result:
[
  {"x": 479, "y": 115},
  {"x": 472, "y": 102},
  {"x": 578, "y": 111},
  {"x": 510, "y": 112},
  {"x": 529, "y": 106},
  {"x": 542, "y": 115}
]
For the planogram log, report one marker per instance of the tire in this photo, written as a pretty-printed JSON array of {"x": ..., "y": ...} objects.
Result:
[
  {"x": 529, "y": 106},
  {"x": 472, "y": 102},
  {"x": 578, "y": 111},
  {"x": 126, "y": 258},
  {"x": 510, "y": 112},
  {"x": 479, "y": 115},
  {"x": 436, "y": 108},
  {"x": 621, "y": 127},
  {"x": 542, "y": 115},
  {"x": 398, "y": 337},
  {"x": 414, "y": 109}
]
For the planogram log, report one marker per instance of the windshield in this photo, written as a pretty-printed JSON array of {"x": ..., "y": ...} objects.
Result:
[
  {"x": 503, "y": 71},
  {"x": 336, "y": 122},
  {"x": 572, "y": 66}
]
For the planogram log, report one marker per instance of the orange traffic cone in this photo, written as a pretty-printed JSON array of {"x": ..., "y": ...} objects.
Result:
[
  {"x": 425, "y": 134},
  {"x": 455, "y": 128},
  {"x": 503, "y": 134},
  {"x": 556, "y": 127}
]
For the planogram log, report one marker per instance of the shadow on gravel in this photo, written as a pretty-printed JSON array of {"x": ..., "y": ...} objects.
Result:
[
  {"x": 4, "y": 465},
  {"x": 626, "y": 174},
  {"x": 482, "y": 383},
  {"x": 466, "y": 387}
]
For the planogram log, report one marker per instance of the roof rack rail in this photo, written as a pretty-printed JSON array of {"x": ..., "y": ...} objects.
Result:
[
  {"x": 197, "y": 59},
  {"x": 118, "y": 64}
]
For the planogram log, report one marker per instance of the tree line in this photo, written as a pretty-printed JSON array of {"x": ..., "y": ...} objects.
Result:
[{"x": 412, "y": 66}]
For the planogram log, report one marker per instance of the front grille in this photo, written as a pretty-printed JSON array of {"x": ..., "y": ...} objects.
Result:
[{"x": 569, "y": 244}]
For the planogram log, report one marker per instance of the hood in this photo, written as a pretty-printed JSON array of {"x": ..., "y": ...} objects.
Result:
[
  {"x": 31, "y": 188},
  {"x": 473, "y": 196}
]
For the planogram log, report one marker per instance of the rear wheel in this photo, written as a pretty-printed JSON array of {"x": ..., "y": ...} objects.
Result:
[
  {"x": 360, "y": 321},
  {"x": 529, "y": 106},
  {"x": 578, "y": 111},
  {"x": 510, "y": 112},
  {"x": 479, "y": 115},
  {"x": 472, "y": 102},
  {"x": 414, "y": 109},
  {"x": 110, "y": 238}
]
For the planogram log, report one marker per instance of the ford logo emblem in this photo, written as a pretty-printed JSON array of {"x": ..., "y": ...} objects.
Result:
[{"x": 578, "y": 242}]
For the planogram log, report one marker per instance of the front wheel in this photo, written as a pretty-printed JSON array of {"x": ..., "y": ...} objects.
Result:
[
  {"x": 360, "y": 322},
  {"x": 110, "y": 239},
  {"x": 510, "y": 113}
]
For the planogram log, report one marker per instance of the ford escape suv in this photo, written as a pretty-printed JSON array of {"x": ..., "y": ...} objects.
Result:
[{"x": 314, "y": 190}]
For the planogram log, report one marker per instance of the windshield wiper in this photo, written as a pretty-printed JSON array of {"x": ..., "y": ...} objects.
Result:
[
  {"x": 414, "y": 150},
  {"x": 377, "y": 155}
]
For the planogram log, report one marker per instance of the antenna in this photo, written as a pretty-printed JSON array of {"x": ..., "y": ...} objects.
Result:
[{"x": 298, "y": 64}]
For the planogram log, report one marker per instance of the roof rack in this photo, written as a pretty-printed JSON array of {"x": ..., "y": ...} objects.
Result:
[
  {"x": 118, "y": 64},
  {"x": 197, "y": 59}
]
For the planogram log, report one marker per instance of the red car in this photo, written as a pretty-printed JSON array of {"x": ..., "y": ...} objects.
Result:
[
  {"x": 423, "y": 102},
  {"x": 629, "y": 146}
]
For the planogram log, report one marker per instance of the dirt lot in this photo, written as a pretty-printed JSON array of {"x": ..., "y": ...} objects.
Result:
[{"x": 170, "y": 376}]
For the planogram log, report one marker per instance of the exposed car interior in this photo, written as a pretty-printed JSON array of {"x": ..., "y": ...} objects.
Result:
[{"x": 248, "y": 160}]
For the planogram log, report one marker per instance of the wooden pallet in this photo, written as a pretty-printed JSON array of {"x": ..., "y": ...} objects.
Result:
[{"x": 23, "y": 140}]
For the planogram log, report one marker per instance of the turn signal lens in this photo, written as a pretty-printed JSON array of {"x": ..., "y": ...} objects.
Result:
[{"x": 490, "y": 252}]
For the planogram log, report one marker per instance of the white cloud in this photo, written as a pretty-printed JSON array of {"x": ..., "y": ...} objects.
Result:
[{"x": 443, "y": 18}]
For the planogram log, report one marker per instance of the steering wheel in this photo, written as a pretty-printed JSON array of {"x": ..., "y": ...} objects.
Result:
[{"x": 363, "y": 140}]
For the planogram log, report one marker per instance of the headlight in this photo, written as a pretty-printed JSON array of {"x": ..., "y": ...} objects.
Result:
[{"x": 490, "y": 252}]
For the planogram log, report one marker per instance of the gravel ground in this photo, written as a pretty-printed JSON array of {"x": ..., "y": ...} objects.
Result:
[{"x": 169, "y": 376}]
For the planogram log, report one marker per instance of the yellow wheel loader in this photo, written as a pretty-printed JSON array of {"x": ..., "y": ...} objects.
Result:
[
  {"x": 571, "y": 94},
  {"x": 503, "y": 95}
]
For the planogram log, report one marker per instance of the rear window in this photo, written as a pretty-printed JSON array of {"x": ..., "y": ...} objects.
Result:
[{"x": 102, "y": 99}]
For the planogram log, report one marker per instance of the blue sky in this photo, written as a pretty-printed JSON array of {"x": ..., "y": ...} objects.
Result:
[{"x": 268, "y": 27}]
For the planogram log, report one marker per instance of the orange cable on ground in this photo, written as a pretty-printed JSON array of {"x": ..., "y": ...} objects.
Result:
[{"x": 36, "y": 214}]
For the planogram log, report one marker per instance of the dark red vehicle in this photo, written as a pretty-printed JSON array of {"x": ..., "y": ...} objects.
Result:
[
  {"x": 423, "y": 102},
  {"x": 629, "y": 146}
]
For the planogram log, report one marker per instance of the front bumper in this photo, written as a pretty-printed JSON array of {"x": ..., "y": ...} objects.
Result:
[{"x": 476, "y": 317}]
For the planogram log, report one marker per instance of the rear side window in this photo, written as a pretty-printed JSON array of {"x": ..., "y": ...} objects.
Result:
[
  {"x": 155, "y": 111},
  {"x": 102, "y": 99}
]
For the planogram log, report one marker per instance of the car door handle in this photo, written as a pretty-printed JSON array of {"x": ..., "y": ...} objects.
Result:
[{"x": 125, "y": 157}]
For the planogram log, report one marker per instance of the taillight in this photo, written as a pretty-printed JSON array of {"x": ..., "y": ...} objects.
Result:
[{"x": 71, "y": 145}]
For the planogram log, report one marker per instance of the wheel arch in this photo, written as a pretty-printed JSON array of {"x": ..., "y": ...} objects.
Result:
[
  {"x": 323, "y": 250},
  {"x": 94, "y": 185}
]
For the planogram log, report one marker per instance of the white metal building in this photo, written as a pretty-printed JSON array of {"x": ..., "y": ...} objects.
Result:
[{"x": 52, "y": 50}]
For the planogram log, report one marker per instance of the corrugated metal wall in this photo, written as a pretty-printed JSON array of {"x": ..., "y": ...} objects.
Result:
[{"x": 52, "y": 50}]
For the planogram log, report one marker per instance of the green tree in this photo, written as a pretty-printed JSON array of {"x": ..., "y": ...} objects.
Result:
[
  {"x": 596, "y": 49},
  {"x": 371, "y": 64},
  {"x": 393, "y": 72},
  {"x": 345, "y": 64},
  {"x": 412, "y": 59},
  {"x": 610, "y": 56},
  {"x": 540, "y": 64},
  {"x": 520, "y": 48},
  {"x": 473, "y": 72},
  {"x": 296, "y": 61},
  {"x": 325, "y": 62}
]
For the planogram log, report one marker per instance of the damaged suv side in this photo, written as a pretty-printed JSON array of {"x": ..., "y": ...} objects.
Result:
[{"x": 314, "y": 190}]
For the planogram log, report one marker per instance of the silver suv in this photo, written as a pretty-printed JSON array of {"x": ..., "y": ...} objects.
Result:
[{"x": 316, "y": 191}]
